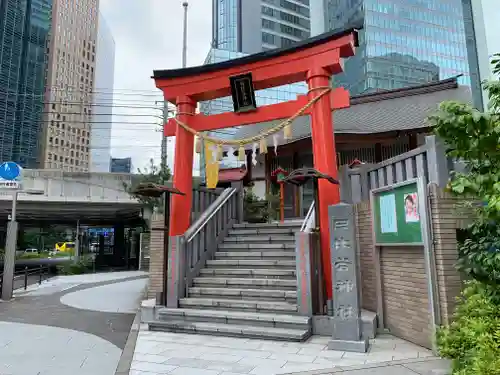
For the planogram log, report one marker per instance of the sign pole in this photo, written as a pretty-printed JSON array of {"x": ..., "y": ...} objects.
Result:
[
  {"x": 10, "y": 253},
  {"x": 10, "y": 174}
]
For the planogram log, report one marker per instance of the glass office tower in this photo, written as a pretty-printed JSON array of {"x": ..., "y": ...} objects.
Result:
[
  {"x": 24, "y": 32},
  {"x": 256, "y": 25},
  {"x": 406, "y": 42},
  {"x": 242, "y": 27}
]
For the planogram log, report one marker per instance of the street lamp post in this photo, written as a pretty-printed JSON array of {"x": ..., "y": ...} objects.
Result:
[{"x": 11, "y": 244}]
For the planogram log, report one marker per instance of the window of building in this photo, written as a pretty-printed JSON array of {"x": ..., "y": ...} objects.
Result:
[{"x": 268, "y": 38}]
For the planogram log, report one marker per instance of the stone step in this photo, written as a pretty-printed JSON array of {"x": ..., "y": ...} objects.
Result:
[
  {"x": 242, "y": 293},
  {"x": 257, "y": 246},
  {"x": 238, "y": 305},
  {"x": 242, "y": 283},
  {"x": 251, "y": 263},
  {"x": 262, "y": 231},
  {"x": 260, "y": 239},
  {"x": 254, "y": 273},
  {"x": 241, "y": 255},
  {"x": 236, "y": 318},
  {"x": 255, "y": 249},
  {"x": 296, "y": 224},
  {"x": 218, "y": 329}
]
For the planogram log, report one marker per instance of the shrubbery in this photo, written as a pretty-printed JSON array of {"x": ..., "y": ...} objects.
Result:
[
  {"x": 472, "y": 340},
  {"x": 81, "y": 266}
]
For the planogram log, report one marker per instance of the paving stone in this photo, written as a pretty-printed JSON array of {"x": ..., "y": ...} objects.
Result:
[
  {"x": 434, "y": 367},
  {"x": 136, "y": 372},
  {"x": 276, "y": 363},
  {"x": 299, "y": 358},
  {"x": 153, "y": 358},
  {"x": 193, "y": 371},
  {"x": 298, "y": 366},
  {"x": 158, "y": 368},
  {"x": 330, "y": 354},
  {"x": 391, "y": 370}
]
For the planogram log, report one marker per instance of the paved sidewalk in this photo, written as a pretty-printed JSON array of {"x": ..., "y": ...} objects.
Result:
[
  {"x": 184, "y": 354},
  {"x": 74, "y": 325}
]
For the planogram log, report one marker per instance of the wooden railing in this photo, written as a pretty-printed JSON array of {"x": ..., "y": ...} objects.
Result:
[
  {"x": 427, "y": 161},
  {"x": 202, "y": 199}
]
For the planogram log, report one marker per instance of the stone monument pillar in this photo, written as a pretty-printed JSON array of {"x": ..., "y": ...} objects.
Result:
[{"x": 347, "y": 331}]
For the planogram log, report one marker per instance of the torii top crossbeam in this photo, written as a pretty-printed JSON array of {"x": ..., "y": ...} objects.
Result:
[{"x": 314, "y": 61}]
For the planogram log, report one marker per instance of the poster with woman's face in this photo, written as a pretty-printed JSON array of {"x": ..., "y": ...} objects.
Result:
[{"x": 411, "y": 208}]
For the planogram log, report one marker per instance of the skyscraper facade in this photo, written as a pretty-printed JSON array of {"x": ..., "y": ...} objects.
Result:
[
  {"x": 70, "y": 85},
  {"x": 24, "y": 33},
  {"x": 252, "y": 26},
  {"x": 242, "y": 27},
  {"x": 404, "y": 42},
  {"x": 102, "y": 115},
  {"x": 486, "y": 14}
]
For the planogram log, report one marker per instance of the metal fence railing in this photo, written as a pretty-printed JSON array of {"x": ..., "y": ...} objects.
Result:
[{"x": 27, "y": 276}]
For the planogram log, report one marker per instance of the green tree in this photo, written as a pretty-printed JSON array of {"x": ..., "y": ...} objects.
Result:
[
  {"x": 472, "y": 340},
  {"x": 473, "y": 137},
  {"x": 156, "y": 174},
  {"x": 42, "y": 238}
]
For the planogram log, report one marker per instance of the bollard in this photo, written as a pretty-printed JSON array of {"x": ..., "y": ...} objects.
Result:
[
  {"x": 41, "y": 275},
  {"x": 25, "y": 277}
]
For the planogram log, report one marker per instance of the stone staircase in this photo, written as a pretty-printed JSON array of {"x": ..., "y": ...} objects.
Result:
[{"x": 248, "y": 290}]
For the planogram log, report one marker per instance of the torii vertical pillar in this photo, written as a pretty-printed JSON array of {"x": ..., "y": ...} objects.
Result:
[
  {"x": 183, "y": 168},
  {"x": 325, "y": 161}
]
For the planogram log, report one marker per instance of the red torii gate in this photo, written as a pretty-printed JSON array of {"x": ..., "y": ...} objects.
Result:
[{"x": 313, "y": 61}]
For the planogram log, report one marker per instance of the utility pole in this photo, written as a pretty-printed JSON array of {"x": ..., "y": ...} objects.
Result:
[
  {"x": 164, "y": 140},
  {"x": 184, "y": 42}
]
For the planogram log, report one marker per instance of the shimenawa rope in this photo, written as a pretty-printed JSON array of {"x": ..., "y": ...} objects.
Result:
[{"x": 260, "y": 136}]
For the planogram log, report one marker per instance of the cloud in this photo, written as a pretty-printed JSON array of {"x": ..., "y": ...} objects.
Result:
[{"x": 148, "y": 36}]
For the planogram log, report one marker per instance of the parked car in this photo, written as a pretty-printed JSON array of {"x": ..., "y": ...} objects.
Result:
[{"x": 31, "y": 251}]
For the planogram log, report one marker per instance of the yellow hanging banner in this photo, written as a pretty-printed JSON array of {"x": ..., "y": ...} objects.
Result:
[{"x": 211, "y": 165}]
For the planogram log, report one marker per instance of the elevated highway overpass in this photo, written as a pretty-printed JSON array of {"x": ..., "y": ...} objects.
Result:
[{"x": 92, "y": 198}]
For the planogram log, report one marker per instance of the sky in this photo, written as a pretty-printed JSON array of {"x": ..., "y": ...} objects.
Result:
[{"x": 148, "y": 36}]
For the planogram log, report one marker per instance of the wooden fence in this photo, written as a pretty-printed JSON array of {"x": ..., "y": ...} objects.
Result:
[{"x": 428, "y": 161}]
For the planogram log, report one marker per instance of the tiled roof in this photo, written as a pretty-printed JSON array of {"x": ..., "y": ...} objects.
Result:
[
  {"x": 232, "y": 174},
  {"x": 275, "y": 52},
  {"x": 402, "y": 109}
]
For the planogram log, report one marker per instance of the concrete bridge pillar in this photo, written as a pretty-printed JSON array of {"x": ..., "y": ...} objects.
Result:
[{"x": 119, "y": 250}]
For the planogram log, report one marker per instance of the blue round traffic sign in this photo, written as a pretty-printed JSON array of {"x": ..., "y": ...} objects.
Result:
[{"x": 9, "y": 171}]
